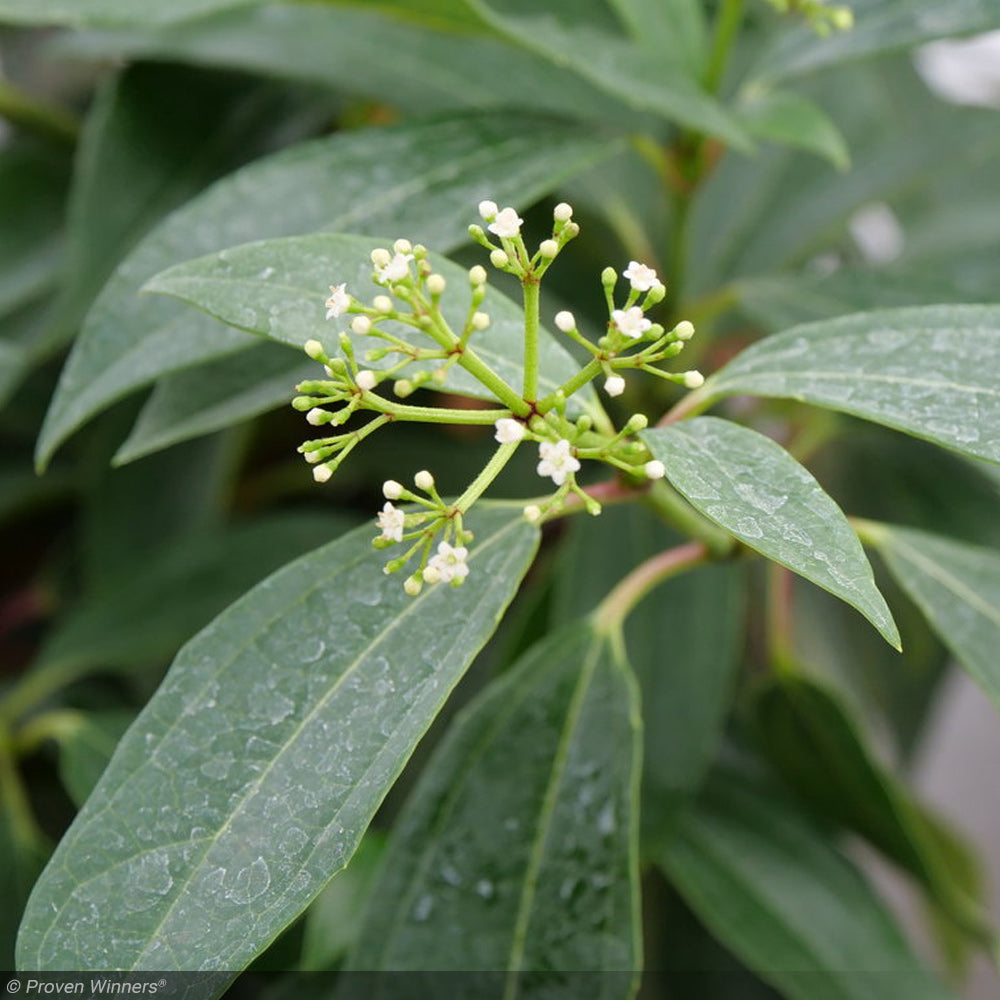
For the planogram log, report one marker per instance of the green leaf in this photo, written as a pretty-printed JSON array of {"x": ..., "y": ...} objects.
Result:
[
  {"x": 880, "y": 26},
  {"x": 685, "y": 642},
  {"x": 754, "y": 489},
  {"x": 132, "y": 621},
  {"x": 277, "y": 289},
  {"x": 219, "y": 394},
  {"x": 77, "y": 13},
  {"x": 250, "y": 777},
  {"x": 816, "y": 747},
  {"x": 430, "y": 176},
  {"x": 365, "y": 51},
  {"x": 332, "y": 925},
  {"x": 582, "y": 35},
  {"x": 930, "y": 371},
  {"x": 672, "y": 29},
  {"x": 135, "y": 164},
  {"x": 522, "y": 827},
  {"x": 32, "y": 192},
  {"x": 793, "y": 120},
  {"x": 782, "y": 898},
  {"x": 957, "y": 586},
  {"x": 85, "y": 746}
]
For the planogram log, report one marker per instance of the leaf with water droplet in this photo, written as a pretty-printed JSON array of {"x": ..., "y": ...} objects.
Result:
[
  {"x": 228, "y": 858},
  {"x": 289, "y": 307},
  {"x": 522, "y": 827},
  {"x": 754, "y": 489},
  {"x": 929, "y": 371}
]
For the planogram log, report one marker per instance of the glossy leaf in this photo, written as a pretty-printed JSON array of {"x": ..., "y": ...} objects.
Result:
[
  {"x": 135, "y": 164},
  {"x": 77, "y": 13},
  {"x": 130, "y": 621},
  {"x": 522, "y": 827},
  {"x": 417, "y": 65},
  {"x": 957, "y": 586},
  {"x": 931, "y": 371},
  {"x": 685, "y": 642},
  {"x": 277, "y": 289},
  {"x": 793, "y": 120},
  {"x": 778, "y": 894},
  {"x": 754, "y": 489},
  {"x": 213, "y": 396},
  {"x": 672, "y": 29},
  {"x": 580, "y": 34},
  {"x": 250, "y": 777},
  {"x": 880, "y": 26},
  {"x": 431, "y": 176},
  {"x": 816, "y": 747}
]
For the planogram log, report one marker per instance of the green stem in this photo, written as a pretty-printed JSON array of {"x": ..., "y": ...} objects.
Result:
[
  {"x": 438, "y": 415},
  {"x": 482, "y": 482},
  {"x": 727, "y": 26},
  {"x": 613, "y": 610},
  {"x": 531, "y": 294},
  {"x": 690, "y": 406},
  {"x": 34, "y": 115},
  {"x": 13, "y": 796},
  {"x": 589, "y": 371},
  {"x": 665, "y": 501},
  {"x": 779, "y": 619},
  {"x": 870, "y": 532},
  {"x": 56, "y": 725}
]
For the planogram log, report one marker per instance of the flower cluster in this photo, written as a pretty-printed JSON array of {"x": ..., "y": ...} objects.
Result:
[{"x": 403, "y": 340}]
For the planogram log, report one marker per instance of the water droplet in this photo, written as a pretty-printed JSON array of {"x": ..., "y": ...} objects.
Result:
[{"x": 250, "y": 882}]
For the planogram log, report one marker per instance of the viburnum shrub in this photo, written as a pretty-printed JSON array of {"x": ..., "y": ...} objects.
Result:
[{"x": 558, "y": 660}]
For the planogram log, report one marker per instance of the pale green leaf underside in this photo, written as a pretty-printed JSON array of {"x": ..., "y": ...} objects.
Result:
[
  {"x": 250, "y": 777},
  {"x": 77, "y": 13},
  {"x": 957, "y": 586},
  {"x": 778, "y": 895},
  {"x": 522, "y": 827},
  {"x": 930, "y": 371},
  {"x": 277, "y": 289},
  {"x": 430, "y": 176},
  {"x": 754, "y": 489}
]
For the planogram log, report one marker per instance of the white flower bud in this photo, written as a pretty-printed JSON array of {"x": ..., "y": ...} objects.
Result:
[
  {"x": 312, "y": 457},
  {"x": 413, "y": 586},
  {"x": 431, "y": 574},
  {"x": 532, "y": 513},
  {"x": 563, "y": 212},
  {"x": 382, "y": 303},
  {"x": 509, "y": 430},
  {"x": 366, "y": 380},
  {"x": 314, "y": 349},
  {"x": 321, "y": 473},
  {"x": 380, "y": 257},
  {"x": 614, "y": 385},
  {"x": 488, "y": 210},
  {"x": 435, "y": 284},
  {"x": 565, "y": 321},
  {"x": 424, "y": 480},
  {"x": 498, "y": 258},
  {"x": 477, "y": 275},
  {"x": 316, "y": 416},
  {"x": 392, "y": 490},
  {"x": 361, "y": 325},
  {"x": 402, "y": 246},
  {"x": 548, "y": 248},
  {"x": 694, "y": 380},
  {"x": 480, "y": 320},
  {"x": 654, "y": 469},
  {"x": 684, "y": 330}
]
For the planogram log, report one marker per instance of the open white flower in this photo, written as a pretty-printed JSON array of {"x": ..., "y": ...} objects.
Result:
[
  {"x": 449, "y": 564},
  {"x": 642, "y": 277},
  {"x": 631, "y": 322},
  {"x": 556, "y": 460},
  {"x": 338, "y": 302},
  {"x": 507, "y": 224},
  {"x": 397, "y": 269},
  {"x": 391, "y": 521},
  {"x": 509, "y": 430}
]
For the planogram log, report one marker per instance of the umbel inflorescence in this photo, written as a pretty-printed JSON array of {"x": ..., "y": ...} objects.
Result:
[{"x": 419, "y": 347}]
